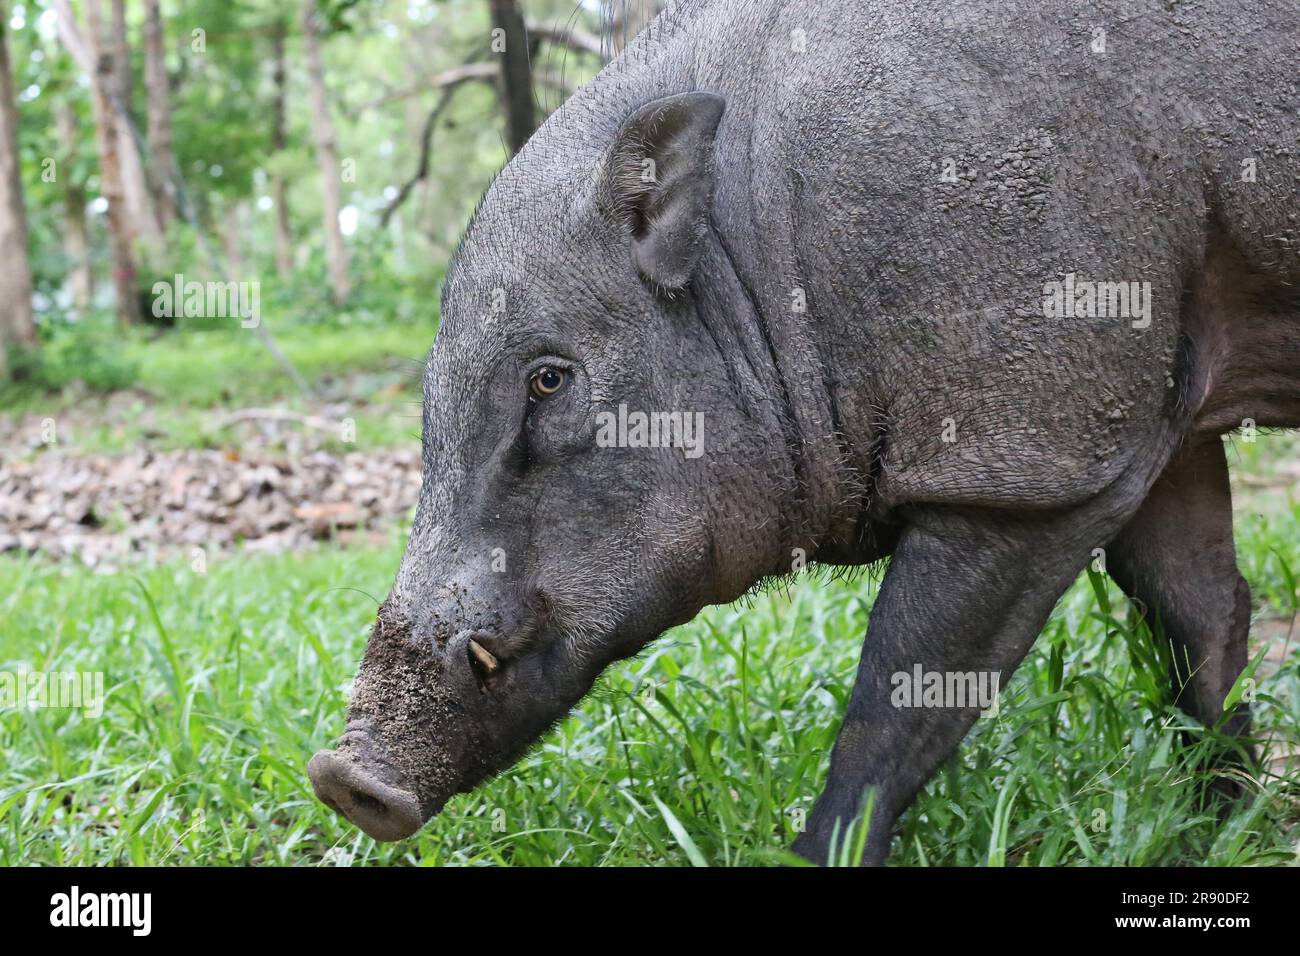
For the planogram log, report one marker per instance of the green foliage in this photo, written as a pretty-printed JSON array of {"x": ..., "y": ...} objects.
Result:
[
  {"x": 90, "y": 356},
  {"x": 705, "y": 750},
  {"x": 380, "y": 56},
  {"x": 222, "y": 104}
]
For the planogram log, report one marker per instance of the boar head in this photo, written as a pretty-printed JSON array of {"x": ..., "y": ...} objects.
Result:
[{"x": 541, "y": 553}]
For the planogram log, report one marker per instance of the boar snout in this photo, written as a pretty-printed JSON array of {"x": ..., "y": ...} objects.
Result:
[
  {"x": 365, "y": 790},
  {"x": 409, "y": 744}
]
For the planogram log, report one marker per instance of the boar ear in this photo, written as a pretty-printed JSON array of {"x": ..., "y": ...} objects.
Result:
[{"x": 659, "y": 173}]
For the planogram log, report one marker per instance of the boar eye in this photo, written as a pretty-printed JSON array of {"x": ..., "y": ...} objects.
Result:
[{"x": 548, "y": 380}]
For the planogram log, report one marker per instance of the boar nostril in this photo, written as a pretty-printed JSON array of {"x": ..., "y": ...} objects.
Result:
[
  {"x": 346, "y": 785},
  {"x": 368, "y": 804}
]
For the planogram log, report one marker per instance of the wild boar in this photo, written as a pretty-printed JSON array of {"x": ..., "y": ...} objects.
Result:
[{"x": 976, "y": 286}]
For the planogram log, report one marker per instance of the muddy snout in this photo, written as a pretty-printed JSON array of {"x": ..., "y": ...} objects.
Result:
[{"x": 355, "y": 782}]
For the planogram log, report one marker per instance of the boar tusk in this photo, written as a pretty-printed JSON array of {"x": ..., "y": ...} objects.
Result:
[{"x": 484, "y": 657}]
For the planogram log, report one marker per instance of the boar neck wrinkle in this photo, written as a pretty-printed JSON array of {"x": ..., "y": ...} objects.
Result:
[{"x": 790, "y": 530}]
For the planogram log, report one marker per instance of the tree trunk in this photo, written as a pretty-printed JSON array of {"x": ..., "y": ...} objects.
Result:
[
  {"x": 516, "y": 72},
  {"x": 17, "y": 326},
  {"x": 121, "y": 50},
  {"x": 146, "y": 224},
  {"x": 160, "y": 115},
  {"x": 86, "y": 52},
  {"x": 326, "y": 156},
  {"x": 76, "y": 246},
  {"x": 279, "y": 140},
  {"x": 120, "y": 239}
]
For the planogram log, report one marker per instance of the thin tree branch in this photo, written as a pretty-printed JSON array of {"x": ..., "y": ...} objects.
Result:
[
  {"x": 478, "y": 70},
  {"x": 449, "y": 81}
]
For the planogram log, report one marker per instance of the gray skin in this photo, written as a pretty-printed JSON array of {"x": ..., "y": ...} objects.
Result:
[{"x": 812, "y": 163}]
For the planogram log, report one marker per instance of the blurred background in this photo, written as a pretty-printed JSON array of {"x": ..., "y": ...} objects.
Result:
[{"x": 224, "y": 225}]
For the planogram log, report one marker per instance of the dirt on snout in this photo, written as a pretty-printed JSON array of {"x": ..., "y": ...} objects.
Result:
[{"x": 400, "y": 694}]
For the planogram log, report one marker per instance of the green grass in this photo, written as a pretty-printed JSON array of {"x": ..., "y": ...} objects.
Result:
[
  {"x": 185, "y": 381},
  {"x": 180, "y": 367},
  {"x": 203, "y": 367},
  {"x": 706, "y": 749}
]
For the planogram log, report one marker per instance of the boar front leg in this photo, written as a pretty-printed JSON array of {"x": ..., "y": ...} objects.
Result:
[{"x": 967, "y": 591}]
